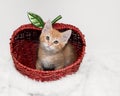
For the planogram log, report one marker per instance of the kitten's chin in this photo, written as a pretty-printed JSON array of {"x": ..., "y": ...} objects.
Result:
[
  {"x": 51, "y": 50},
  {"x": 48, "y": 48}
]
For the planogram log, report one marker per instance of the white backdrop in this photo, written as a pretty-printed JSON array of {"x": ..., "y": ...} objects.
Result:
[{"x": 99, "y": 20}]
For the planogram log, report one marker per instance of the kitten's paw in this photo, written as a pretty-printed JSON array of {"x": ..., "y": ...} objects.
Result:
[
  {"x": 59, "y": 67},
  {"x": 38, "y": 66}
]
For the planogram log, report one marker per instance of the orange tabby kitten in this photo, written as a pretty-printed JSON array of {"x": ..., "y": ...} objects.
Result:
[{"x": 54, "y": 50}]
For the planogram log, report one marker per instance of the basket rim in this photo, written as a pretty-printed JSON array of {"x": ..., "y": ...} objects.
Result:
[{"x": 30, "y": 26}]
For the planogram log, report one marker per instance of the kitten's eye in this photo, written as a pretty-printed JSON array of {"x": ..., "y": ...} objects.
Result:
[
  {"x": 56, "y": 42},
  {"x": 47, "y": 38}
]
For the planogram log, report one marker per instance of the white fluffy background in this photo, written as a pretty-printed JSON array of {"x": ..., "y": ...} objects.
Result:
[{"x": 99, "y": 73}]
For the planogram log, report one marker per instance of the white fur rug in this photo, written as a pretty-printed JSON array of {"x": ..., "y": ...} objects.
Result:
[{"x": 99, "y": 75}]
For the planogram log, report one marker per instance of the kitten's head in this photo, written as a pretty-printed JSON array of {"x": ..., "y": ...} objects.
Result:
[{"x": 52, "y": 40}]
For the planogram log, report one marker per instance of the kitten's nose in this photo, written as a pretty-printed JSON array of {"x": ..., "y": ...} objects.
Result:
[{"x": 49, "y": 44}]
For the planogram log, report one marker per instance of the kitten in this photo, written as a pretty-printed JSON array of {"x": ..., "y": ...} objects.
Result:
[{"x": 54, "y": 51}]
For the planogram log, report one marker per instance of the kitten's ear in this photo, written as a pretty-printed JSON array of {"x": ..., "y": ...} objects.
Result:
[
  {"x": 47, "y": 27},
  {"x": 66, "y": 35}
]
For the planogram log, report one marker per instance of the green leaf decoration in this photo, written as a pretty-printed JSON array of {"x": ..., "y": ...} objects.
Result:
[
  {"x": 36, "y": 20},
  {"x": 56, "y": 19}
]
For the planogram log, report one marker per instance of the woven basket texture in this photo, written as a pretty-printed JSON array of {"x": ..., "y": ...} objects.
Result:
[{"x": 24, "y": 46}]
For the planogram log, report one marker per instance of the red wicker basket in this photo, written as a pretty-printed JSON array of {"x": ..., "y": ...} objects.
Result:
[{"x": 24, "y": 46}]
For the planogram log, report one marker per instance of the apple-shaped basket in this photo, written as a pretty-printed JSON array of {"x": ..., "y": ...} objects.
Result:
[{"x": 24, "y": 46}]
